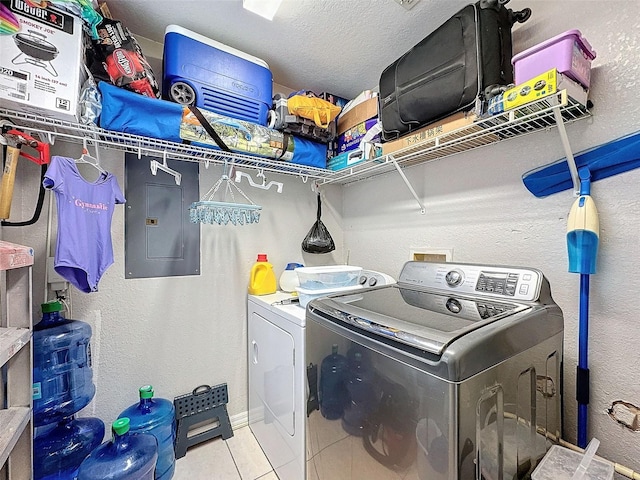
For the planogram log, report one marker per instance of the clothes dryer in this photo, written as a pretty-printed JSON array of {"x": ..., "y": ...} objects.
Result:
[{"x": 277, "y": 384}]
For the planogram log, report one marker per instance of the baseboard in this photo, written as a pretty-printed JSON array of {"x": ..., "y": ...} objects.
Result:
[{"x": 239, "y": 420}]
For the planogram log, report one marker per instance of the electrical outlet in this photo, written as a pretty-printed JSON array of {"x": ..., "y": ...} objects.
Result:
[
  {"x": 56, "y": 282},
  {"x": 428, "y": 254}
]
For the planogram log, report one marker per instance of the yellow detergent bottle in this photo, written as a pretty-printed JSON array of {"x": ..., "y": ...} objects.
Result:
[{"x": 263, "y": 279}]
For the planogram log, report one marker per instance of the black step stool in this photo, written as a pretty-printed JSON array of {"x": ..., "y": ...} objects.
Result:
[{"x": 204, "y": 404}]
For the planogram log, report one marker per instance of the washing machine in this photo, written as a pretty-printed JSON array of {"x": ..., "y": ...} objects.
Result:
[
  {"x": 278, "y": 387},
  {"x": 453, "y": 373}
]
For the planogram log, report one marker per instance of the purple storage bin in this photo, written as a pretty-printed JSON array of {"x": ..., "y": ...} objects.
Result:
[{"x": 569, "y": 53}]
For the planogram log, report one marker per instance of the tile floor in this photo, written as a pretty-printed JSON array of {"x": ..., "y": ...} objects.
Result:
[{"x": 238, "y": 458}]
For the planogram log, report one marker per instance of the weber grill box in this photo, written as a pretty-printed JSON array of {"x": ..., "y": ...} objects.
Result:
[
  {"x": 41, "y": 64},
  {"x": 200, "y": 71}
]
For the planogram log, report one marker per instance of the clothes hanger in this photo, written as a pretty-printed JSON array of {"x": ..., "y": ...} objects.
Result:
[{"x": 87, "y": 158}]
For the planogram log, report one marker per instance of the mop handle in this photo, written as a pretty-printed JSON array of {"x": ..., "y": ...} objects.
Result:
[{"x": 582, "y": 380}]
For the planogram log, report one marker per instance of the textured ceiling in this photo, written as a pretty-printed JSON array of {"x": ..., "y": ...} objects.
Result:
[{"x": 338, "y": 46}]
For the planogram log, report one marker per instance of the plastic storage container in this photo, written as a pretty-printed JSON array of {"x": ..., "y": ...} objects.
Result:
[
  {"x": 127, "y": 456},
  {"x": 157, "y": 417},
  {"x": 61, "y": 448},
  {"x": 305, "y": 295},
  {"x": 262, "y": 280},
  {"x": 62, "y": 373},
  {"x": 333, "y": 276},
  {"x": 214, "y": 76},
  {"x": 569, "y": 53},
  {"x": 561, "y": 463},
  {"x": 333, "y": 390}
]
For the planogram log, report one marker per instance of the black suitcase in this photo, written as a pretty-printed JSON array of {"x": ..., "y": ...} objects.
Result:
[{"x": 462, "y": 61}]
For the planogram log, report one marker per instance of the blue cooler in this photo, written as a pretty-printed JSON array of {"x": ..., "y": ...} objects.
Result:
[{"x": 202, "y": 72}]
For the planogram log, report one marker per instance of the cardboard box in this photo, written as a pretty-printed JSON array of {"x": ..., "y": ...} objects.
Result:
[
  {"x": 539, "y": 87},
  {"x": 334, "y": 99},
  {"x": 41, "y": 66},
  {"x": 430, "y": 132},
  {"x": 358, "y": 114},
  {"x": 345, "y": 159},
  {"x": 350, "y": 139}
]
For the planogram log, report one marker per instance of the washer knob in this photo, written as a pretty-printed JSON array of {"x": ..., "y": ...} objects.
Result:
[
  {"x": 453, "y": 305},
  {"x": 373, "y": 281},
  {"x": 454, "y": 278},
  {"x": 362, "y": 280}
]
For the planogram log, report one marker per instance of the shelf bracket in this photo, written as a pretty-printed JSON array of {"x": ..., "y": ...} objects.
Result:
[
  {"x": 423, "y": 210},
  {"x": 567, "y": 151}
]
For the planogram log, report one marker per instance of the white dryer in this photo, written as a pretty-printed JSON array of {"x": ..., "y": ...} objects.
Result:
[
  {"x": 278, "y": 377},
  {"x": 277, "y": 382}
]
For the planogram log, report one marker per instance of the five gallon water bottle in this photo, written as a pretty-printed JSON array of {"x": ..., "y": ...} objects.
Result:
[
  {"x": 60, "y": 448},
  {"x": 157, "y": 417},
  {"x": 333, "y": 393},
  {"x": 62, "y": 374},
  {"x": 127, "y": 456},
  {"x": 362, "y": 395}
]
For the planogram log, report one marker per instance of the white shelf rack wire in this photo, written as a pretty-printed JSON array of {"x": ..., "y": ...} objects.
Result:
[
  {"x": 530, "y": 118},
  {"x": 540, "y": 115}
]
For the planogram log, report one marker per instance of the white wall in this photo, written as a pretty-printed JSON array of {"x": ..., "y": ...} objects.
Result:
[
  {"x": 180, "y": 332},
  {"x": 477, "y": 205}
]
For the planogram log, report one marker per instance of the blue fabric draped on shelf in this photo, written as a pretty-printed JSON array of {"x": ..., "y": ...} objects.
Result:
[{"x": 128, "y": 112}]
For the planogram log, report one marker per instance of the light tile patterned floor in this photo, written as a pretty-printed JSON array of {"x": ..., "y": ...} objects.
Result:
[{"x": 238, "y": 458}]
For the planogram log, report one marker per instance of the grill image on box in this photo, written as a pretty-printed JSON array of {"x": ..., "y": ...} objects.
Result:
[
  {"x": 200, "y": 71},
  {"x": 453, "y": 373}
]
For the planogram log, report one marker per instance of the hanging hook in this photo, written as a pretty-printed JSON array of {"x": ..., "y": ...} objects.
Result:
[
  {"x": 155, "y": 165},
  {"x": 265, "y": 186},
  {"x": 304, "y": 177}
]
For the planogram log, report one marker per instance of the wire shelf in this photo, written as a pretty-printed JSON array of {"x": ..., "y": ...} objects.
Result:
[
  {"x": 80, "y": 133},
  {"x": 524, "y": 120}
]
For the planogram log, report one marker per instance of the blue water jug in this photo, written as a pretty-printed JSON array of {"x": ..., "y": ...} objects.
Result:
[
  {"x": 61, "y": 448},
  {"x": 333, "y": 393},
  {"x": 362, "y": 397},
  {"x": 157, "y": 417},
  {"x": 127, "y": 456},
  {"x": 62, "y": 373}
]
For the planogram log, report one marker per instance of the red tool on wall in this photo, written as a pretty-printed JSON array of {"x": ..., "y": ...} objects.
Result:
[{"x": 15, "y": 139}]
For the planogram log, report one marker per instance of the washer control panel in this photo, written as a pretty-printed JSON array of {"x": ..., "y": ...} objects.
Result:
[
  {"x": 370, "y": 278},
  {"x": 497, "y": 281}
]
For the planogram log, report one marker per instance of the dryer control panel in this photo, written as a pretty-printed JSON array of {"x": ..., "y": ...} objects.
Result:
[{"x": 515, "y": 283}]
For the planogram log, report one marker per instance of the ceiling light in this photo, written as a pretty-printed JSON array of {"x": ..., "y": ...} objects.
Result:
[
  {"x": 264, "y": 8},
  {"x": 407, "y": 4}
]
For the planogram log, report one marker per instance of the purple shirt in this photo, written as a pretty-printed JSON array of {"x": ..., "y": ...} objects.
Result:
[{"x": 83, "y": 250}]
